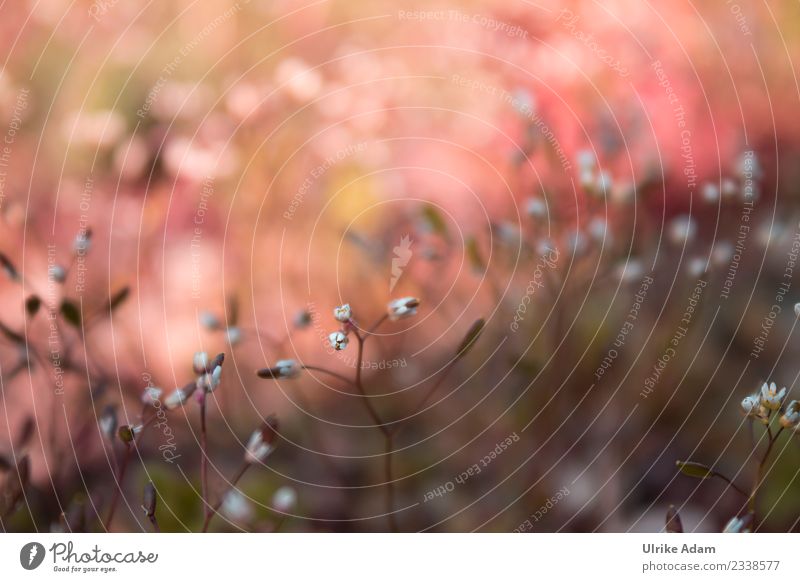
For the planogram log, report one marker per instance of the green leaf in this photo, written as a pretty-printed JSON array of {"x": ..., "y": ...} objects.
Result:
[
  {"x": 697, "y": 470},
  {"x": 233, "y": 311},
  {"x": 474, "y": 255},
  {"x": 71, "y": 313},
  {"x": 32, "y": 305},
  {"x": 434, "y": 220},
  {"x": 118, "y": 298},
  {"x": 469, "y": 340},
  {"x": 8, "y": 267}
]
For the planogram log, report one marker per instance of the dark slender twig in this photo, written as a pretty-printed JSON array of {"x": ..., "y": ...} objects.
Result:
[
  {"x": 388, "y": 439},
  {"x": 215, "y": 508},
  {"x": 203, "y": 457},
  {"x": 330, "y": 373}
]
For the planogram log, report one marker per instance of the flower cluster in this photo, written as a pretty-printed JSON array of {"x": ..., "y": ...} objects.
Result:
[
  {"x": 397, "y": 309},
  {"x": 209, "y": 375},
  {"x": 769, "y": 399}
]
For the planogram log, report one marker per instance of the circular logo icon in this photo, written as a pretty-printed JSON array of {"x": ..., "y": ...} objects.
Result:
[{"x": 31, "y": 555}]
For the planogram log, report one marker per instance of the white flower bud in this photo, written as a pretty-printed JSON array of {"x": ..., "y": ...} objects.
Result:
[
  {"x": 770, "y": 396},
  {"x": 281, "y": 369},
  {"x": 338, "y": 340},
  {"x": 209, "y": 321},
  {"x": 728, "y": 188},
  {"x": 151, "y": 395},
  {"x": 284, "y": 499},
  {"x": 682, "y": 229},
  {"x": 179, "y": 397},
  {"x": 402, "y": 308},
  {"x": 57, "y": 273},
  {"x": 750, "y": 405},
  {"x": 200, "y": 362},
  {"x": 696, "y": 266},
  {"x": 261, "y": 443},
  {"x": 797, "y": 309},
  {"x": 738, "y": 525},
  {"x": 208, "y": 382},
  {"x": 791, "y": 417},
  {"x": 343, "y": 313},
  {"x": 236, "y": 507},
  {"x": 83, "y": 242},
  {"x": 710, "y": 192},
  {"x": 234, "y": 335},
  {"x": 536, "y": 208}
]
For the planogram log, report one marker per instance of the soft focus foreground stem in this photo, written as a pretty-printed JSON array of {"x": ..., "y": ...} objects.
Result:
[
  {"x": 388, "y": 437},
  {"x": 215, "y": 508}
]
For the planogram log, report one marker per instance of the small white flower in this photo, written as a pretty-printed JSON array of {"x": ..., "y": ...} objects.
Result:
[
  {"x": 343, "y": 313},
  {"x": 508, "y": 233},
  {"x": 179, "y": 397},
  {"x": 281, "y": 369},
  {"x": 108, "y": 422},
  {"x": 631, "y": 270},
  {"x": 598, "y": 228},
  {"x": 750, "y": 405},
  {"x": 402, "y": 308},
  {"x": 234, "y": 335},
  {"x": 682, "y": 229},
  {"x": 723, "y": 252},
  {"x": 236, "y": 507},
  {"x": 209, "y": 321},
  {"x": 696, "y": 266},
  {"x": 536, "y": 207},
  {"x": 338, "y": 340},
  {"x": 200, "y": 362},
  {"x": 728, "y": 188},
  {"x": 260, "y": 445},
  {"x": 586, "y": 160},
  {"x": 710, "y": 192},
  {"x": 737, "y": 525},
  {"x": 57, "y": 273},
  {"x": 770, "y": 396},
  {"x": 151, "y": 395},
  {"x": 208, "y": 382},
  {"x": 82, "y": 243},
  {"x": 284, "y": 499},
  {"x": 791, "y": 417},
  {"x": 797, "y": 309}
]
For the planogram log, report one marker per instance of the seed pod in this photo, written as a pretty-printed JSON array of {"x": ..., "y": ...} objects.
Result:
[
  {"x": 126, "y": 434},
  {"x": 150, "y": 499},
  {"x": 674, "y": 524}
]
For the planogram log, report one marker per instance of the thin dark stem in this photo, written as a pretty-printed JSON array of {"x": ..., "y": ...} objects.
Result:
[
  {"x": 751, "y": 503},
  {"x": 388, "y": 438},
  {"x": 418, "y": 408},
  {"x": 360, "y": 386},
  {"x": 329, "y": 372},
  {"x": 376, "y": 325},
  {"x": 204, "y": 457},
  {"x": 154, "y": 522},
  {"x": 388, "y": 475},
  {"x": 215, "y": 508},
  {"x": 118, "y": 489},
  {"x": 733, "y": 485},
  {"x": 123, "y": 468}
]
